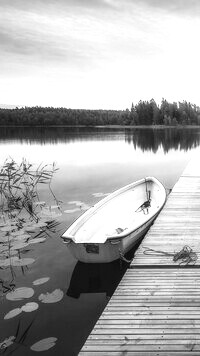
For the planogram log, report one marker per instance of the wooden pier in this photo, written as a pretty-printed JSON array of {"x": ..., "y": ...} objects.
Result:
[{"x": 155, "y": 311}]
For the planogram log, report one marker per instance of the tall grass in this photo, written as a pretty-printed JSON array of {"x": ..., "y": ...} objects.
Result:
[{"x": 19, "y": 184}]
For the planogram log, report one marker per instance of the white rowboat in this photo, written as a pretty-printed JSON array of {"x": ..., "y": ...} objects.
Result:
[{"x": 115, "y": 224}]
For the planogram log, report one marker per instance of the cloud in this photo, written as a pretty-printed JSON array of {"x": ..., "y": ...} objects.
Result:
[
  {"x": 56, "y": 5},
  {"x": 45, "y": 48},
  {"x": 70, "y": 40},
  {"x": 190, "y": 7},
  {"x": 43, "y": 39}
]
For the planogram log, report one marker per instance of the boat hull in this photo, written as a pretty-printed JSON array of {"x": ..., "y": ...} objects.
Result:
[
  {"x": 113, "y": 226},
  {"x": 110, "y": 250}
]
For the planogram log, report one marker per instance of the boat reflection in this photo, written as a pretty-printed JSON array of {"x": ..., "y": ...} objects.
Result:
[{"x": 96, "y": 278}]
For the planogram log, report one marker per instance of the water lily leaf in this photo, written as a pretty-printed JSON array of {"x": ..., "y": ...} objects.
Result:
[
  {"x": 71, "y": 211},
  {"x": 2, "y": 224},
  {"x": 9, "y": 253},
  {"x": 39, "y": 203},
  {"x": 76, "y": 202},
  {"x": 29, "y": 229},
  {"x": 12, "y": 313},
  {"x": 39, "y": 281},
  {"x": 85, "y": 207},
  {"x": 3, "y": 248},
  {"x": 46, "y": 219},
  {"x": 5, "y": 238},
  {"x": 20, "y": 293},
  {"x": 13, "y": 252},
  {"x": 53, "y": 297},
  {"x": 100, "y": 195},
  {"x": 8, "y": 228},
  {"x": 18, "y": 245},
  {"x": 7, "y": 342},
  {"x": 37, "y": 240},
  {"x": 46, "y": 212},
  {"x": 36, "y": 226},
  {"x": 54, "y": 214},
  {"x": 18, "y": 262},
  {"x": 29, "y": 307},
  {"x": 24, "y": 237},
  {"x": 40, "y": 224},
  {"x": 15, "y": 212},
  {"x": 3, "y": 263},
  {"x": 17, "y": 233},
  {"x": 44, "y": 344}
]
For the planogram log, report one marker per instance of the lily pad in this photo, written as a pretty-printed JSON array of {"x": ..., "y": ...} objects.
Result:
[
  {"x": 8, "y": 228},
  {"x": 12, "y": 313},
  {"x": 30, "y": 229},
  {"x": 3, "y": 248},
  {"x": 18, "y": 245},
  {"x": 76, "y": 202},
  {"x": 17, "y": 233},
  {"x": 7, "y": 342},
  {"x": 20, "y": 238},
  {"x": 53, "y": 297},
  {"x": 39, "y": 203},
  {"x": 37, "y": 225},
  {"x": 3, "y": 263},
  {"x": 29, "y": 307},
  {"x": 44, "y": 344},
  {"x": 5, "y": 238},
  {"x": 9, "y": 253},
  {"x": 100, "y": 195},
  {"x": 71, "y": 211},
  {"x": 39, "y": 281},
  {"x": 37, "y": 240},
  {"x": 84, "y": 207},
  {"x": 18, "y": 262},
  {"x": 20, "y": 293},
  {"x": 54, "y": 207}
]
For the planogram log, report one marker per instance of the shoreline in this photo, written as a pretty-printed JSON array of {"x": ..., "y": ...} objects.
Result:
[{"x": 110, "y": 126}]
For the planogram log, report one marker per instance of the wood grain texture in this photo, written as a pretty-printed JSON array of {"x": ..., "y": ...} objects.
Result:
[{"x": 155, "y": 310}]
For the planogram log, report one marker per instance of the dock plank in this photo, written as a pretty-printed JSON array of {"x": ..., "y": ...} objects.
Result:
[
  {"x": 169, "y": 322},
  {"x": 155, "y": 310}
]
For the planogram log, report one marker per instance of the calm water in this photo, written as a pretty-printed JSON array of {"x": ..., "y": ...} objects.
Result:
[{"x": 90, "y": 161}]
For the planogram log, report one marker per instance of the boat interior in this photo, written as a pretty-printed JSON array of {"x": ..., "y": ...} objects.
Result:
[{"x": 118, "y": 215}]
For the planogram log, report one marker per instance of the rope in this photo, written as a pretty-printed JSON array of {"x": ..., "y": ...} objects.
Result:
[
  {"x": 186, "y": 255},
  {"x": 122, "y": 258}
]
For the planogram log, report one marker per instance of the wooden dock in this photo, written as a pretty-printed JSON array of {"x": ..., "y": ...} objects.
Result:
[{"x": 155, "y": 311}]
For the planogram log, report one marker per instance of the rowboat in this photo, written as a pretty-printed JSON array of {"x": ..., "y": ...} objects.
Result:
[{"x": 109, "y": 229}]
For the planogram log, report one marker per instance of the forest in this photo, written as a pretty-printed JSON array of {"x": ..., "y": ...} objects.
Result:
[{"x": 143, "y": 113}]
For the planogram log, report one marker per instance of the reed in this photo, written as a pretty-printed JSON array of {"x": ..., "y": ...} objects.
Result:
[{"x": 19, "y": 197}]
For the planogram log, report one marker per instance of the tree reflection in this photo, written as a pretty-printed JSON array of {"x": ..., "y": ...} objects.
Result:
[
  {"x": 147, "y": 139},
  {"x": 167, "y": 139}
]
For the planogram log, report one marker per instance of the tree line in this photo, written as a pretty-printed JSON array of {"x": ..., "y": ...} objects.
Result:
[{"x": 143, "y": 113}]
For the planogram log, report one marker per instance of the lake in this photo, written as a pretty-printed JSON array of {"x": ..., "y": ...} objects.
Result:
[{"x": 92, "y": 162}]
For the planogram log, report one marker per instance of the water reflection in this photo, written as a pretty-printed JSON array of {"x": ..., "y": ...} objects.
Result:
[
  {"x": 149, "y": 139},
  {"x": 95, "y": 278},
  {"x": 54, "y": 135},
  {"x": 153, "y": 139},
  {"x": 91, "y": 162}
]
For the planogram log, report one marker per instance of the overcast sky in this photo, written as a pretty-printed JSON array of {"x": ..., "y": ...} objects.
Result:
[{"x": 99, "y": 53}]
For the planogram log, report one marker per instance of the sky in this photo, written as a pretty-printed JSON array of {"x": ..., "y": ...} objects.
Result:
[{"x": 98, "y": 54}]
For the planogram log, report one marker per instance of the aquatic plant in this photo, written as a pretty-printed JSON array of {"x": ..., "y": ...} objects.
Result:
[
  {"x": 24, "y": 219},
  {"x": 19, "y": 190}
]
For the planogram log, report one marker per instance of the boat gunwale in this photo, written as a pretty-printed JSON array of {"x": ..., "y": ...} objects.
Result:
[{"x": 111, "y": 196}]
